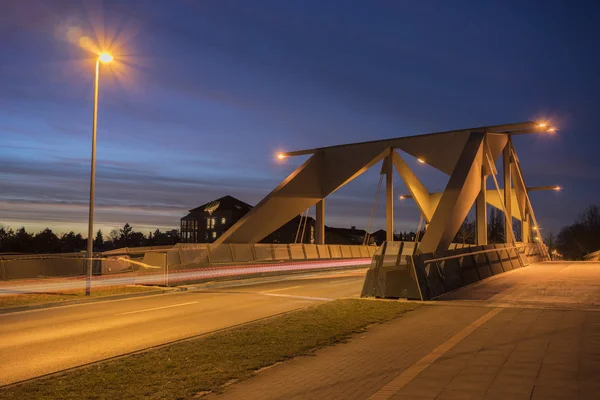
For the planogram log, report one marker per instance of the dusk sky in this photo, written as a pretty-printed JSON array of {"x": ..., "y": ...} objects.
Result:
[{"x": 204, "y": 93}]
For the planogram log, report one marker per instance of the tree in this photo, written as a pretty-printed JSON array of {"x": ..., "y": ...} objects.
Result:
[
  {"x": 21, "y": 242},
  {"x": 582, "y": 237},
  {"x": 466, "y": 233},
  {"x": 99, "y": 241},
  {"x": 125, "y": 233},
  {"x": 496, "y": 226},
  {"x": 72, "y": 243},
  {"x": 550, "y": 241},
  {"x": 45, "y": 242},
  {"x": 6, "y": 235},
  {"x": 517, "y": 225}
]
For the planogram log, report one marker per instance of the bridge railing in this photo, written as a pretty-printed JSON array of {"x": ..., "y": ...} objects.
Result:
[
  {"x": 398, "y": 274},
  {"x": 595, "y": 256},
  {"x": 186, "y": 255}
]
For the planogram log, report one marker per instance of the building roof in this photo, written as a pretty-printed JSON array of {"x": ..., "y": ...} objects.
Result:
[{"x": 226, "y": 202}]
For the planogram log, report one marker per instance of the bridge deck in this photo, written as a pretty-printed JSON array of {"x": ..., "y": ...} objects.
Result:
[{"x": 549, "y": 284}]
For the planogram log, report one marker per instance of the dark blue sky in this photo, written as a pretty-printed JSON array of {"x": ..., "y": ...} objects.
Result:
[{"x": 205, "y": 92}]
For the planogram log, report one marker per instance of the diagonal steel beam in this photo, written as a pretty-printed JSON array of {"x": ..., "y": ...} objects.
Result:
[{"x": 458, "y": 197}]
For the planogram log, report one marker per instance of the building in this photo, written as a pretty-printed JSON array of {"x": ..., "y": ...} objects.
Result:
[{"x": 207, "y": 223}]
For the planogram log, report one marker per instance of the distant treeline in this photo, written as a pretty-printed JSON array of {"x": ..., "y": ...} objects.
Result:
[
  {"x": 581, "y": 237},
  {"x": 47, "y": 242}
]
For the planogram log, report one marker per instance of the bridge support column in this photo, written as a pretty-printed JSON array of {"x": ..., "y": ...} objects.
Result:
[
  {"x": 389, "y": 198},
  {"x": 526, "y": 229},
  {"x": 506, "y": 161},
  {"x": 320, "y": 222},
  {"x": 481, "y": 212}
]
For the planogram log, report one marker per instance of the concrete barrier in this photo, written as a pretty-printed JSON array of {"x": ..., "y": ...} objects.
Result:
[
  {"x": 173, "y": 257},
  {"x": 297, "y": 252},
  {"x": 281, "y": 252},
  {"x": 311, "y": 252},
  {"x": 220, "y": 254},
  {"x": 355, "y": 251},
  {"x": 323, "y": 251},
  {"x": 364, "y": 251},
  {"x": 194, "y": 254},
  {"x": 346, "y": 252},
  {"x": 242, "y": 252},
  {"x": 47, "y": 265},
  {"x": 263, "y": 252},
  {"x": 335, "y": 251},
  {"x": 155, "y": 259}
]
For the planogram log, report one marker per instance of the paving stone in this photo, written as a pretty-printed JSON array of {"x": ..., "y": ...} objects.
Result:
[
  {"x": 460, "y": 395},
  {"x": 550, "y": 393}
]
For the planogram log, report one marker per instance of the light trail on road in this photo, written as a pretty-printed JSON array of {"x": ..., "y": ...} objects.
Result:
[{"x": 196, "y": 274}]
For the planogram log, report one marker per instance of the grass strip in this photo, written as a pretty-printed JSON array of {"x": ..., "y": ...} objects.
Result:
[
  {"x": 24, "y": 299},
  {"x": 185, "y": 369}
]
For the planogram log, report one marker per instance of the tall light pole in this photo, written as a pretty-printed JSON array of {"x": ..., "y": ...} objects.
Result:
[{"x": 105, "y": 58}]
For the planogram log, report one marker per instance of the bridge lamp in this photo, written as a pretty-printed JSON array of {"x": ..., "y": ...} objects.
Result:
[
  {"x": 403, "y": 197},
  {"x": 105, "y": 57},
  {"x": 421, "y": 161},
  {"x": 551, "y": 129},
  {"x": 281, "y": 156},
  {"x": 557, "y": 188},
  {"x": 542, "y": 125}
]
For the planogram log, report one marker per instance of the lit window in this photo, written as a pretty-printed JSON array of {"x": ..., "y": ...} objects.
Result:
[
  {"x": 212, "y": 222},
  {"x": 207, "y": 223},
  {"x": 223, "y": 220},
  {"x": 214, "y": 235}
]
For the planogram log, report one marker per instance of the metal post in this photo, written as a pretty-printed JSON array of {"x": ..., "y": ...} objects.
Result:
[
  {"x": 90, "y": 244},
  {"x": 481, "y": 212},
  {"x": 389, "y": 199},
  {"x": 525, "y": 229},
  {"x": 506, "y": 160},
  {"x": 320, "y": 222}
]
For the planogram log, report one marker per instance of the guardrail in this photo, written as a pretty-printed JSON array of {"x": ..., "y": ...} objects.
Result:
[
  {"x": 183, "y": 255},
  {"x": 398, "y": 274},
  {"x": 595, "y": 256}
]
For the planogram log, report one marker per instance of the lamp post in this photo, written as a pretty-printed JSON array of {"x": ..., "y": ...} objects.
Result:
[{"x": 105, "y": 58}]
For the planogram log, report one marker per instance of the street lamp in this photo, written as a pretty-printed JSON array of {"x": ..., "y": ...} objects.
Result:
[{"x": 104, "y": 58}]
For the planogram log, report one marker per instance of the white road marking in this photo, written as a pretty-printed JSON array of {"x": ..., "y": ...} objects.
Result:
[
  {"x": 343, "y": 281},
  {"x": 298, "y": 297},
  {"x": 280, "y": 289},
  {"x": 157, "y": 308}
]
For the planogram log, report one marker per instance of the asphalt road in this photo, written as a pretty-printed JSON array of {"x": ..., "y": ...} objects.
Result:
[{"x": 39, "y": 342}]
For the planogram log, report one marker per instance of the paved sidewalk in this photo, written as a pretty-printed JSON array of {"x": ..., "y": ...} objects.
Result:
[{"x": 451, "y": 351}]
